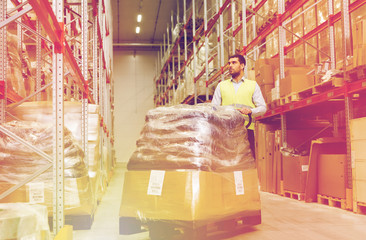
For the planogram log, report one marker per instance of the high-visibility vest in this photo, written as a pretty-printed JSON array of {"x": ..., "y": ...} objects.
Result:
[{"x": 243, "y": 96}]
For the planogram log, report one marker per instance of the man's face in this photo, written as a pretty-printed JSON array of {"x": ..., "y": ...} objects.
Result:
[{"x": 235, "y": 67}]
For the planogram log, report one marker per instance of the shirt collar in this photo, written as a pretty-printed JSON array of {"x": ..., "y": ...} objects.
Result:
[{"x": 241, "y": 80}]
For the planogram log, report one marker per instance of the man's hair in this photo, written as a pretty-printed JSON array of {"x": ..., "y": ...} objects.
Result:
[{"x": 240, "y": 57}]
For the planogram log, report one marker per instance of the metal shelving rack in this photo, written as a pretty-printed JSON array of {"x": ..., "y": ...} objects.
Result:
[
  {"x": 77, "y": 73},
  {"x": 251, "y": 43}
]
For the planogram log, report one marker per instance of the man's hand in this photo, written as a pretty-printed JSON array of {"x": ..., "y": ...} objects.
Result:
[{"x": 245, "y": 111}]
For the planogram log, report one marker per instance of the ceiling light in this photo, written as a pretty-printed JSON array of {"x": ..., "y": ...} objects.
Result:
[
  {"x": 137, "y": 30},
  {"x": 139, "y": 17}
]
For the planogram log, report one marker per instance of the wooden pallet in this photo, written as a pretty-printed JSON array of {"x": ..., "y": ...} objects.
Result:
[
  {"x": 332, "y": 201},
  {"x": 313, "y": 90},
  {"x": 130, "y": 225},
  {"x": 324, "y": 86},
  {"x": 294, "y": 195},
  {"x": 192, "y": 230},
  {"x": 361, "y": 208},
  {"x": 357, "y": 73}
]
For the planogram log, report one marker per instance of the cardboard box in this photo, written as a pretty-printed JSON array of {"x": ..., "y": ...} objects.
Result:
[
  {"x": 360, "y": 38},
  {"x": 277, "y": 159},
  {"x": 360, "y": 181},
  {"x": 261, "y": 151},
  {"x": 267, "y": 92},
  {"x": 361, "y": 55},
  {"x": 274, "y": 62},
  {"x": 268, "y": 97},
  {"x": 270, "y": 140},
  {"x": 190, "y": 195},
  {"x": 296, "y": 79},
  {"x": 265, "y": 74},
  {"x": 275, "y": 93},
  {"x": 295, "y": 169},
  {"x": 266, "y": 88},
  {"x": 358, "y": 154},
  {"x": 359, "y": 43},
  {"x": 19, "y": 221},
  {"x": 77, "y": 201},
  {"x": 331, "y": 181},
  {"x": 251, "y": 75}
]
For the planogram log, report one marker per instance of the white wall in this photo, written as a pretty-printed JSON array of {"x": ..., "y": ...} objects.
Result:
[{"x": 133, "y": 76}]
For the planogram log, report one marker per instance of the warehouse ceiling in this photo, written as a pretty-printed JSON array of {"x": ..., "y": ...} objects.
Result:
[{"x": 156, "y": 14}]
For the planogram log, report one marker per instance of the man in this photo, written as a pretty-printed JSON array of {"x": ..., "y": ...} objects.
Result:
[{"x": 243, "y": 93}]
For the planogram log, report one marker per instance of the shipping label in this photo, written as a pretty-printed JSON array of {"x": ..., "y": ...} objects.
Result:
[
  {"x": 156, "y": 182},
  {"x": 305, "y": 168},
  {"x": 36, "y": 192},
  {"x": 239, "y": 184}
]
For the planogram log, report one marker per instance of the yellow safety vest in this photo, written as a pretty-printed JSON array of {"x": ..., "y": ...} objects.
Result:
[{"x": 243, "y": 96}]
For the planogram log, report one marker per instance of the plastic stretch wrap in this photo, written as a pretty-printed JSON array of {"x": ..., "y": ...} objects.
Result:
[
  {"x": 23, "y": 221},
  {"x": 16, "y": 158},
  {"x": 205, "y": 137},
  {"x": 42, "y": 112},
  {"x": 14, "y": 73},
  {"x": 18, "y": 162}
]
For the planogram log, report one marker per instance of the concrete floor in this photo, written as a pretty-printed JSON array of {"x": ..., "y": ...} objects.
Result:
[{"x": 282, "y": 219}]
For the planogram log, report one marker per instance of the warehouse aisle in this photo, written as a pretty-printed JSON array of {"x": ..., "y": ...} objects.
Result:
[{"x": 282, "y": 219}]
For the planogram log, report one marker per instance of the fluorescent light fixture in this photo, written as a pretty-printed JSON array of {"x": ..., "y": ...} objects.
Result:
[
  {"x": 137, "y": 30},
  {"x": 139, "y": 17}
]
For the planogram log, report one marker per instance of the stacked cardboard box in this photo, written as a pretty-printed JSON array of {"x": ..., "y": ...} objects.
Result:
[
  {"x": 190, "y": 195},
  {"x": 263, "y": 134},
  {"x": 295, "y": 170},
  {"x": 271, "y": 163},
  {"x": 331, "y": 181},
  {"x": 277, "y": 163},
  {"x": 14, "y": 75},
  {"x": 264, "y": 74},
  {"x": 296, "y": 79},
  {"x": 358, "y": 143},
  {"x": 359, "y": 43}
]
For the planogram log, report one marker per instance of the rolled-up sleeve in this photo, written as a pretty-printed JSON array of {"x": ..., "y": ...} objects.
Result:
[{"x": 258, "y": 100}]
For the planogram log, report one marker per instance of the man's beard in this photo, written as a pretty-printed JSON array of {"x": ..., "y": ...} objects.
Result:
[{"x": 235, "y": 74}]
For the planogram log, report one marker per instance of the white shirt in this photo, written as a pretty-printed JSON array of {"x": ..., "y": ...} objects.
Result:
[{"x": 258, "y": 100}]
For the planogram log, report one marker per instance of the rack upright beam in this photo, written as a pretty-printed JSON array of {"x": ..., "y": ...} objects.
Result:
[
  {"x": 3, "y": 54},
  {"x": 84, "y": 69},
  {"x": 58, "y": 115}
]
